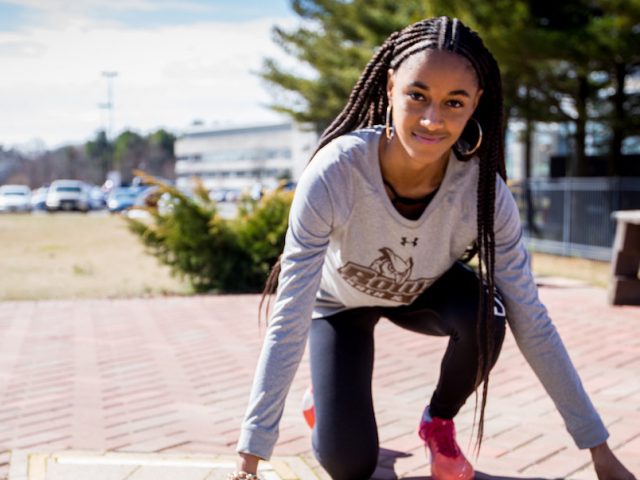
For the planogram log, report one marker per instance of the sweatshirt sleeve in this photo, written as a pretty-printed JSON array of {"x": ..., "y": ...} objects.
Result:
[
  {"x": 535, "y": 334},
  {"x": 310, "y": 224}
]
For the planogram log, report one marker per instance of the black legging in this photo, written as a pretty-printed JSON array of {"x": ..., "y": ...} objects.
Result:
[{"x": 345, "y": 438}]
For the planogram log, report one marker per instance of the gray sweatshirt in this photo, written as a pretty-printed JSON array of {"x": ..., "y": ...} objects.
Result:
[{"x": 348, "y": 247}]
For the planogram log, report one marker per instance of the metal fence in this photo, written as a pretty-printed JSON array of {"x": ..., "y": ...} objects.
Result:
[{"x": 572, "y": 216}]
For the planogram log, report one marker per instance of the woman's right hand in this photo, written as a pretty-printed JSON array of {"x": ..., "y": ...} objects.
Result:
[
  {"x": 607, "y": 465},
  {"x": 248, "y": 463}
]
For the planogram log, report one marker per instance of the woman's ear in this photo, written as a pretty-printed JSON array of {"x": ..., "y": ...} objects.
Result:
[
  {"x": 390, "y": 76},
  {"x": 476, "y": 101}
]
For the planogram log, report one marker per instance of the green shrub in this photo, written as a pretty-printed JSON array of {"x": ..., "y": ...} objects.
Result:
[{"x": 213, "y": 253}]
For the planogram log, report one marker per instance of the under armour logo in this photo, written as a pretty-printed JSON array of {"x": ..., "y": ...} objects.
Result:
[{"x": 413, "y": 242}]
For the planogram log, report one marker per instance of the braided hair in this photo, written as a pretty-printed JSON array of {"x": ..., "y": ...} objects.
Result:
[{"x": 367, "y": 106}]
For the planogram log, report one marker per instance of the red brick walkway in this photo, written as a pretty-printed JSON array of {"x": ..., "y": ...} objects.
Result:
[{"x": 173, "y": 375}]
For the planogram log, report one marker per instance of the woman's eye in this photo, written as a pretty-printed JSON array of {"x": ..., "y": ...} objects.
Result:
[
  {"x": 455, "y": 103},
  {"x": 416, "y": 96}
]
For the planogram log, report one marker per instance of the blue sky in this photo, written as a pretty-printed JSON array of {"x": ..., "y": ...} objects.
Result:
[
  {"x": 177, "y": 61},
  {"x": 16, "y": 14},
  {"x": 11, "y": 16}
]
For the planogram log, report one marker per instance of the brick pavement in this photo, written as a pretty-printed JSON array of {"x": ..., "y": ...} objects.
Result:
[{"x": 172, "y": 375}]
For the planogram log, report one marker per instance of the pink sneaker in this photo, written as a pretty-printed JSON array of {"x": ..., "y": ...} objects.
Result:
[{"x": 447, "y": 460}]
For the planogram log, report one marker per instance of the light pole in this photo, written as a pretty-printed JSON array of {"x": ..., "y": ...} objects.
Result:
[{"x": 109, "y": 106}]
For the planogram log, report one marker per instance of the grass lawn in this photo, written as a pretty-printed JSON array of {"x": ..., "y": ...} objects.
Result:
[
  {"x": 66, "y": 255},
  {"x": 589, "y": 271},
  {"x": 73, "y": 255}
]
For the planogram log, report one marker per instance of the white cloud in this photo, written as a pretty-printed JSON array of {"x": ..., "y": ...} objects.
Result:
[{"x": 51, "y": 83}]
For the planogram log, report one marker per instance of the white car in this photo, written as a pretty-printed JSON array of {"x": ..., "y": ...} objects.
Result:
[
  {"x": 39, "y": 198},
  {"x": 68, "y": 195},
  {"x": 15, "y": 198}
]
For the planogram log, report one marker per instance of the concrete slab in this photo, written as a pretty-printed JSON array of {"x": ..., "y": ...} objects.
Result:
[{"x": 79, "y": 465}]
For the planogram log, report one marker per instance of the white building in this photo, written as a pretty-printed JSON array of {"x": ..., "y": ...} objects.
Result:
[{"x": 241, "y": 158}]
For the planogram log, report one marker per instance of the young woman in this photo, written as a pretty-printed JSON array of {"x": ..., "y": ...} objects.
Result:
[{"x": 408, "y": 180}]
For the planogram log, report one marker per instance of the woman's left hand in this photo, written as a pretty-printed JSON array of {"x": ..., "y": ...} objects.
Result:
[{"x": 607, "y": 465}]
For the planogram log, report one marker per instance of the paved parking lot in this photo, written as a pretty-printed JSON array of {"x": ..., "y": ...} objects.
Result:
[{"x": 172, "y": 376}]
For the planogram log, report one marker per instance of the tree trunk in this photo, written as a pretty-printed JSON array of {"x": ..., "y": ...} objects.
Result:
[
  {"x": 528, "y": 140},
  {"x": 614, "y": 165},
  {"x": 580, "y": 167},
  {"x": 72, "y": 170}
]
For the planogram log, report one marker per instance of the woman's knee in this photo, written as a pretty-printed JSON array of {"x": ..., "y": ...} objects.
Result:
[
  {"x": 464, "y": 313},
  {"x": 499, "y": 314},
  {"x": 497, "y": 329},
  {"x": 499, "y": 325},
  {"x": 347, "y": 460}
]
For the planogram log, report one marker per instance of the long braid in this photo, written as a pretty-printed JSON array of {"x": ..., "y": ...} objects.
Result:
[
  {"x": 366, "y": 107},
  {"x": 491, "y": 155},
  {"x": 368, "y": 98}
]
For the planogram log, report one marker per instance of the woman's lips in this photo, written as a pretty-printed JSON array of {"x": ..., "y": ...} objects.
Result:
[{"x": 429, "y": 138}]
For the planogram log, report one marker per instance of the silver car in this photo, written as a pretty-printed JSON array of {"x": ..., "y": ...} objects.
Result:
[{"x": 15, "y": 198}]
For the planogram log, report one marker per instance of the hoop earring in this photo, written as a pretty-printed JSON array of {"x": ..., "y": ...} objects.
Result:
[
  {"x": 473, "y": 150},
  {"x": 387, "y": 124}
]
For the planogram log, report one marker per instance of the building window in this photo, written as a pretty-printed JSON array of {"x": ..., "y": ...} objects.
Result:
[{"x": 235, "y": 155}]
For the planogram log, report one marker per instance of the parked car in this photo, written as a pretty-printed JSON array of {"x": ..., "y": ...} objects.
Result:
[
  {"x": 146, "y": 199},
  {"x": 68, "y": 195},
  {"x": 15, "y": 198},
  {"x": 121, "y": 199},
  {"x": 39, "y": 198},
  {"x": 225, "y": 195},
  {"x": 97, "y": 198}
]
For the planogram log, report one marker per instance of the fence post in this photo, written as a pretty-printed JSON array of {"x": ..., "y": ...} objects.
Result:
[{"x": 566, "y": 217}]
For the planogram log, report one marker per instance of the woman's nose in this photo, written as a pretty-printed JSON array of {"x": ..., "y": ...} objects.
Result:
[{"x": 431, "y": 117}]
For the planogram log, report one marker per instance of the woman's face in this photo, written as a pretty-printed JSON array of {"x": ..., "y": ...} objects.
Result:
[{"x": 433, "y": 95}]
